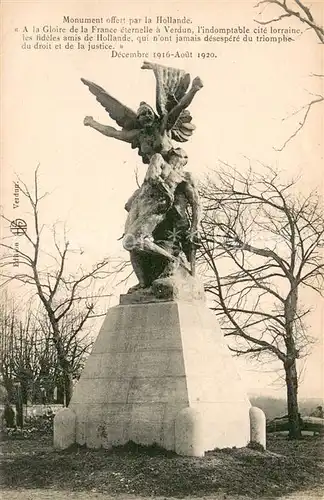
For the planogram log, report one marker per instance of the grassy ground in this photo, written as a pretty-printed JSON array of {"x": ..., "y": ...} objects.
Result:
[{"x": 32, "y": 467}]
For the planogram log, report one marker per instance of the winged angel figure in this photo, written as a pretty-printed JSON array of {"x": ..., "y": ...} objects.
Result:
[{"x": 147, "y": 130}]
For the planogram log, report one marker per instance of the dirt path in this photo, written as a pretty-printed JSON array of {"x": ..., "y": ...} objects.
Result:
[
  {"x": 88, "y": 495},
  {"x": 36, "y": 494},
  {"x": 307, "y": 495}
]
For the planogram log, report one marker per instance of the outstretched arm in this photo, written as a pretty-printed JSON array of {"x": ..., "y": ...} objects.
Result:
[
  {"x": 121, "y": 135},
  {"x": 171, "y": 118}
]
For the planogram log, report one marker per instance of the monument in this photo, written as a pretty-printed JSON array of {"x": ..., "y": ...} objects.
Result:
[{"x": 160, "y": 371}]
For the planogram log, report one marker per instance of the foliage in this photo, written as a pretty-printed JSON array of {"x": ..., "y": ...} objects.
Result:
[{"x": 34, "y": 427}]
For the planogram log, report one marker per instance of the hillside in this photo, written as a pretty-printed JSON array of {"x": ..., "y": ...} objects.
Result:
[{"x": 276, "y": 407}]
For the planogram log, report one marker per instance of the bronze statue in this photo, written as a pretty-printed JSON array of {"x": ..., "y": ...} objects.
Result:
[
  {"x": 159, "y": 234},
  {"x": 158, "y": 223},
  {"x": 150, "y": 132}
]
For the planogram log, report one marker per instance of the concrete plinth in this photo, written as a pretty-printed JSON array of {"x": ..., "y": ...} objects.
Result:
[
  {"x": 149, "y": 364},
  {"x": 64, "y": 428},
  {"x": 258, "y": 426}
]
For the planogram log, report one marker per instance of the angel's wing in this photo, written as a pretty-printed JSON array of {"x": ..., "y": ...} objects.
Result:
[
  {"x": 171, "y": 86},
  {"x": 124, "y": 116},
  {"x": 183, "y": 129}
]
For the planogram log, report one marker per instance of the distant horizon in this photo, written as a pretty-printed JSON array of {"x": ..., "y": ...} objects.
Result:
[{"x": 282, "y": 398}]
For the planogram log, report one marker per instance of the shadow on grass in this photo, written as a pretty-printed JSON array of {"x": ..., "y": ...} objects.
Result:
[{"x": 147, "y": 471}]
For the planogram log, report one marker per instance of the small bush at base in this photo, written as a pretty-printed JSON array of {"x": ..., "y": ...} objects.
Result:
[
  {"x": 41, "y": 425},
  {"x": 253, "y": 445}
]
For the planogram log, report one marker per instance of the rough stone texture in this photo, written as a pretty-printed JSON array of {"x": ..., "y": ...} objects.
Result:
[
  {"x": 190, "y": 433},
  {"x": 64, "y": 428},
  {"x": 150, "y": 362},
  {"x": 257, "y": 426},
  {"x": 179, "y": 285}
]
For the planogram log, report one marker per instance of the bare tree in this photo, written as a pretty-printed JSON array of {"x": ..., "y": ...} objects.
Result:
[
  {"x": 302, "y": 113},
  {"x": 295, "y": 9},
  {"x": 69, "y": 298},
  {"x": 27, "y": 357},
  {"x": 292, "y": 9},
  {"x": 261, "y": 244},
  {"x": 76, "y": 341}
]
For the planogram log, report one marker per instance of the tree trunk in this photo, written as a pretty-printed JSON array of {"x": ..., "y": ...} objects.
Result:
[
  {"x": 63, "y": 362},
  {"x": 290, "y": 363},
  {"x": 68, "y": 387},
  {"x": 19, "y": 407},
  {"x": 292, "y": 400}
]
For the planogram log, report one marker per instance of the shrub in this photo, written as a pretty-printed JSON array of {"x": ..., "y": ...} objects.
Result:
[
  {"x": 34, "y": 426},
  {"x": 253, "y": 445}
]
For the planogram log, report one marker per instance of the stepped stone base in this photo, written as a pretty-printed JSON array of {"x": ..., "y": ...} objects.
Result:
[{"x": 161, "y": 373}]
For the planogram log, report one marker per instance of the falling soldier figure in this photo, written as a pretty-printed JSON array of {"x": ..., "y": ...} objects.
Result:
[{"x": 157, "y": 211}]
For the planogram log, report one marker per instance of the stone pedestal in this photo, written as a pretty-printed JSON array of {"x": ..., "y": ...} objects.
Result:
[
  {"x": 64, "y": 429},
  {"x": 161, "y": 373},
  {"x": 258, "y": 426}
]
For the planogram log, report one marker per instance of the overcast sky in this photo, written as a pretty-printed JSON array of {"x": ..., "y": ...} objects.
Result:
[{"x": 248, "y": 89}]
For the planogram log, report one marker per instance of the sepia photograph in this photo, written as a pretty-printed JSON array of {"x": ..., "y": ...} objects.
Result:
[{"x": 161, "y": 250}]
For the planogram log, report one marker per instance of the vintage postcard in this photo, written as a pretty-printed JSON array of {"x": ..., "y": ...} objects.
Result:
[{"x": 157, "y": 155}]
